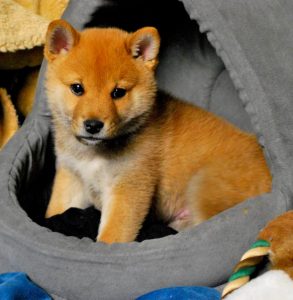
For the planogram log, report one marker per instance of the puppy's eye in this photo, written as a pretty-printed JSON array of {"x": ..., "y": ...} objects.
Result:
[
  {"x": 77, "y": 89},
  {"x": 118, "y": 93}
]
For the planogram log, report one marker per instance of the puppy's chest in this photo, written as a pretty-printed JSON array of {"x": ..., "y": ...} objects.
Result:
[
  {"x": 93, "y": 173},
  {"x": 97, "y": 175}
]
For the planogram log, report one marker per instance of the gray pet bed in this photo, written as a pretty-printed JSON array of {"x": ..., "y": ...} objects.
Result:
[{"x": 249, "y": 81}]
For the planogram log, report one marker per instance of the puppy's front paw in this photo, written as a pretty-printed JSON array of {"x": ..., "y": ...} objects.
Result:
[
  {"x": 115, "y": 236},
  {"x": 107, "y": 239},
  {"x": 279, "y": 234}
]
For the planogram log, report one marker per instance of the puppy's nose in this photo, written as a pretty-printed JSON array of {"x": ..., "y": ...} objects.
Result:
[{"x": 93, "y": 126}]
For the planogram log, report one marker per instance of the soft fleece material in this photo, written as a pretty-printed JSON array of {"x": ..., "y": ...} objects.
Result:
[
  {"x": 19, "y": 286},
  {"x": 183, "y": 292}
]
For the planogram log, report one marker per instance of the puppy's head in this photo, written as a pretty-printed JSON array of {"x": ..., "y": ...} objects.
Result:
[{"x": 100, "y": 82}]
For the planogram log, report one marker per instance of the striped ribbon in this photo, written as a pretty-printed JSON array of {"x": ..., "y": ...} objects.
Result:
[{"x": 246, "y": 266}]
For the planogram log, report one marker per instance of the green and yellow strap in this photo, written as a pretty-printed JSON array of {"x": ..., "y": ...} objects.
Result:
[{"x": 247, "y": 266}]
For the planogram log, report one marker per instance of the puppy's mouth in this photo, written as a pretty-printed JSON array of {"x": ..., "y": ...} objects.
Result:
[
  {"x": 90, "y": 140},
  {"x": 121, "y": 137}
]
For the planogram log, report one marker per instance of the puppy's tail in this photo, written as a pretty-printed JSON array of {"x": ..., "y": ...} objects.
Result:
[{"x": 247, "y": 266}]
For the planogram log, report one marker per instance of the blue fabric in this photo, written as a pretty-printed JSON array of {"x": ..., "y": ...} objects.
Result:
[
  {"x": 184, "y": 292},
  {"x": 18, "y": 286}
]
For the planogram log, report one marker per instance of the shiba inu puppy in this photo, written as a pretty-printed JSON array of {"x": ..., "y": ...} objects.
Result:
[{"x": 123, "y": 146}]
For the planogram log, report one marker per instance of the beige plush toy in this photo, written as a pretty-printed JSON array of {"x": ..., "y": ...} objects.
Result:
[{"x": 23, "y": 25}]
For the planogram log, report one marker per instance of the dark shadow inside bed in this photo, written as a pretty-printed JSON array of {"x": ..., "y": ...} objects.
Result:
[{"x": 189, "y": 68}]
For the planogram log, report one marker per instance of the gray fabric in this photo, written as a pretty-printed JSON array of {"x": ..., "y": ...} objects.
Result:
[
  {"x": 254, "y": 40},
  {"x": 227, "y": 104}
]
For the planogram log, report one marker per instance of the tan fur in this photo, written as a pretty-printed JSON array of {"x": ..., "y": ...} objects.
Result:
[
  {"x": 26, "y": 96},
  {"x": 191, "y": 162},
  {"x": 8, "y": 118},
  {"x": 279, "y": 233}
]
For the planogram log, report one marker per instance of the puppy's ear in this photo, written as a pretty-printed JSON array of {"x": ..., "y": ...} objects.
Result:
[
  {"x": 60, "y": 38},
  {"x": 144, "y": 44}
]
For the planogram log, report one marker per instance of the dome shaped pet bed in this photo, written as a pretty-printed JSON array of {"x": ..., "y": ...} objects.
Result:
[{"x": 231, "y": 57}]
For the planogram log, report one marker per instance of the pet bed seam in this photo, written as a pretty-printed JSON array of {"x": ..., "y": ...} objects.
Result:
[{"x": 213, "y": 85}]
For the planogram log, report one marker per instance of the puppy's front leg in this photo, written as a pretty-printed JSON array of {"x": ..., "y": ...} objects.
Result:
[
  {"x": 67, "y": 192},
  {"x": 125, "y": 211}
]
